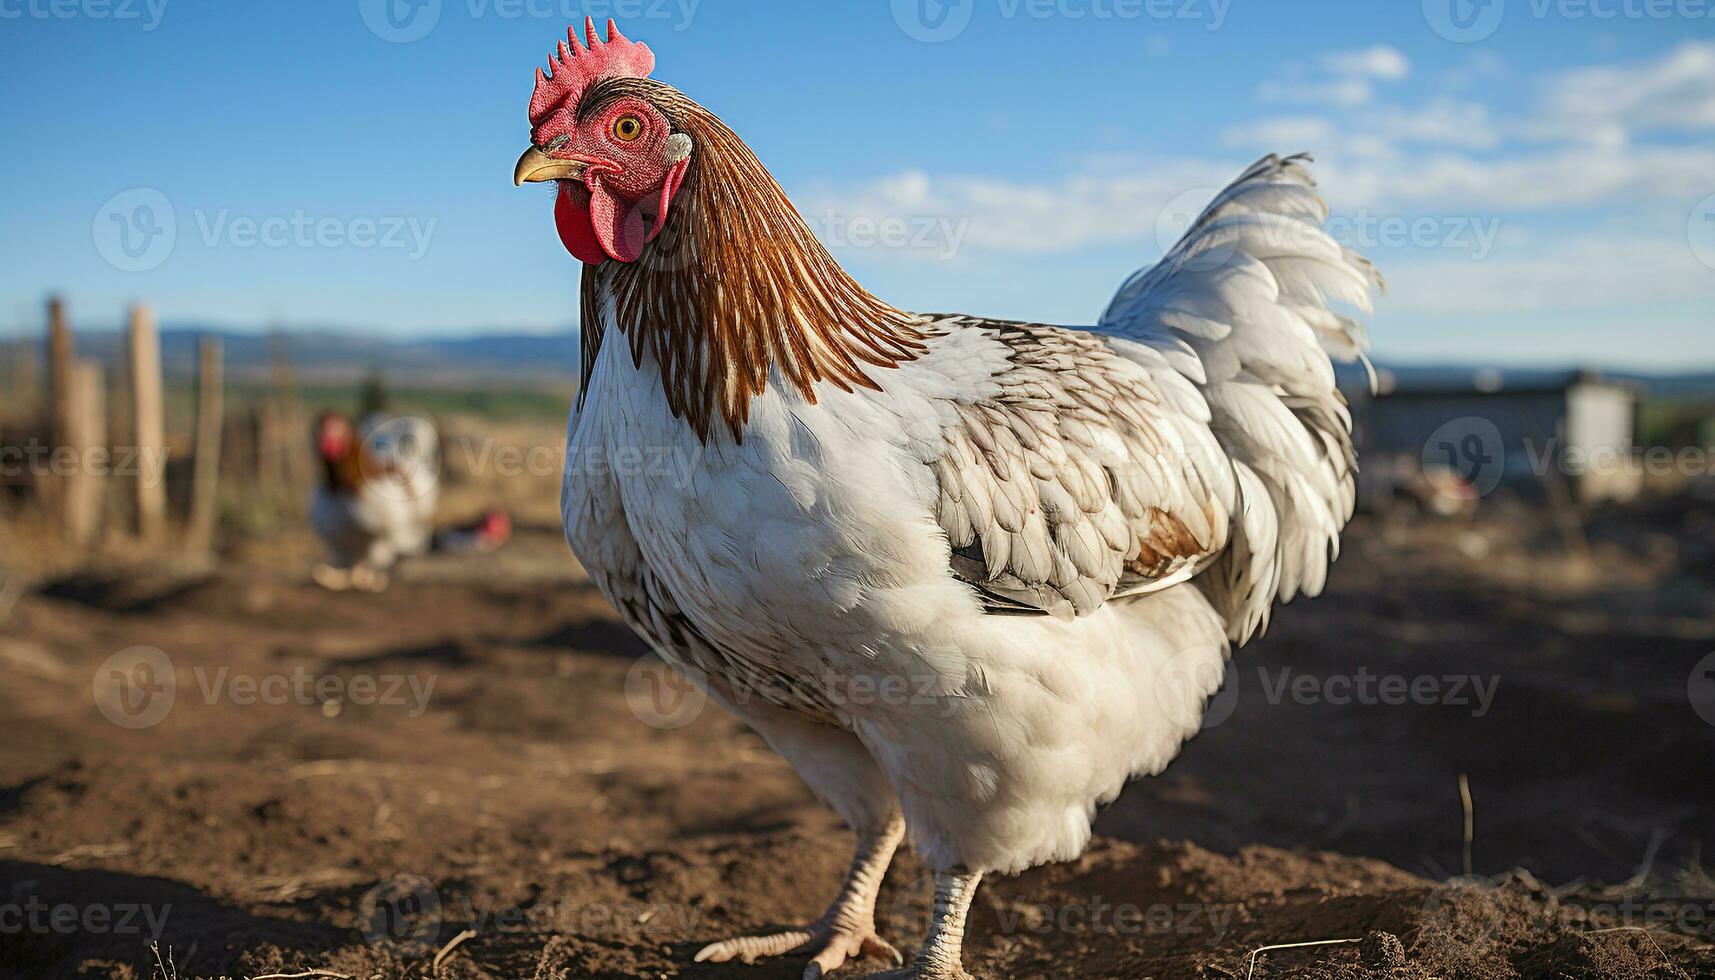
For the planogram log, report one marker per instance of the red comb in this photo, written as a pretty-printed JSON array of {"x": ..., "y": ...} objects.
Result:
[{"x": 578, "y": 67}]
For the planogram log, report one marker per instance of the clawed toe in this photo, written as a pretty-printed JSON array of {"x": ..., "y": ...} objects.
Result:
[{"x": 831, "y": 948}]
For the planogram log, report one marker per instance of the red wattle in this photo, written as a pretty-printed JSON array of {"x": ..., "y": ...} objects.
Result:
[
  {"x": 572, "y": 219},
  {"x": 619, "y": 224}
]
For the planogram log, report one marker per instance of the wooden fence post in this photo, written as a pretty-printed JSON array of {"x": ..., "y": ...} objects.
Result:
[
  {"x": 86, "y": 439},
  {"x": 205, "y": 480},
  {"x": 293, "y": 444},
  {"x": 62, "y": 357},
  {"x": 149, "y": 426}
]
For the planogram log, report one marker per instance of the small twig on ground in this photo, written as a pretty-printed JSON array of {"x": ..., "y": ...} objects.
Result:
[
  {"x": 306, "y": 973},
  {"x": 448, "y": 948},
  {"x": 1264, "y": 949},
  {"x": 1470, "y": 819},
  {"x": 167, "y": 973}
]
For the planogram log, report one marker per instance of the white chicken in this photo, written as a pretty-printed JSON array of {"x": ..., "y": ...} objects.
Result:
[
  {"x": 967, "y": 576},
  {"x": 376, "y": 503}
]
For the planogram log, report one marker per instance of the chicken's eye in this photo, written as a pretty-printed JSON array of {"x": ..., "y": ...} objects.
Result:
[{"x": 627, "y": 129}]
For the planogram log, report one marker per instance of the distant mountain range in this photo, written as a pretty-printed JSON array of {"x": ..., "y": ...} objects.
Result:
[{"x": 332, "y": 356}]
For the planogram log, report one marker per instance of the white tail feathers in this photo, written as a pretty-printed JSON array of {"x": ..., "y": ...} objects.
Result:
[{"x": 1250, "y": 292}]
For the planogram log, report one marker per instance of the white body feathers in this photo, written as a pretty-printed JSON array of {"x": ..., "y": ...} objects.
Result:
[{"x": 1005, "y": 583}]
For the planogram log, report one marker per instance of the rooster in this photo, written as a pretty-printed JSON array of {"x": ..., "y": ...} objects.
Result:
[
  {"x": 377, "y": 500},
  {"x": 967, "y": 576}
]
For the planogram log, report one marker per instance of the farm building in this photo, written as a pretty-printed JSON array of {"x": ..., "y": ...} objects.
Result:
[{"x": 1467, "y": 434}]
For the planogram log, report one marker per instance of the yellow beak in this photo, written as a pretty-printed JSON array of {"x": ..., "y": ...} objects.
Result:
[{"x": 535, "y": 166}]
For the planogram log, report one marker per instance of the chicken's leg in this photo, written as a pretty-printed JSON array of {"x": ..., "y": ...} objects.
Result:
[
  {"x": 939, "y": 959},
  {"x": 846, "y": 930}
]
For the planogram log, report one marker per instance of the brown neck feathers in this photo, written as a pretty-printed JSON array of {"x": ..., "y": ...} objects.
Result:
[{"x": 737, "y": 286}]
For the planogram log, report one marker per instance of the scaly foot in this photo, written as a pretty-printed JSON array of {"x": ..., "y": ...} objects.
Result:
[
  {"x": 939, "y": 957},
  {"x": 831, "y": 945},
  {"x": 846, "y": 930}
]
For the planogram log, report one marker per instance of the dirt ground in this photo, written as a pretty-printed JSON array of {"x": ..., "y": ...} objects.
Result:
[{"x": 349, "y": 784}]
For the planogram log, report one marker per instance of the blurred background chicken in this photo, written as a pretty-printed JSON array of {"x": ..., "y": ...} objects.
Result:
[{"x": 376, "y": 503}]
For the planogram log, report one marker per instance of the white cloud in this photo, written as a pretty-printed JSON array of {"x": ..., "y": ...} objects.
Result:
[
  {"x": 1581, "y": 273},
  {"x": 1003, "y": 215},
  {"x": 1340, "y": 78},
  {"x": 1449, "y": 156},
  {"x": 1379, "y": 61},
  {"x": 1316, "y": 131},
  {"x": 1676, "y": 92},
  {"x": 1343, "y": 92}
]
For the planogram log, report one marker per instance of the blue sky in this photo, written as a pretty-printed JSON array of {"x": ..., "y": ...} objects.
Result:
[{"x": 1536, "y": 177}]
